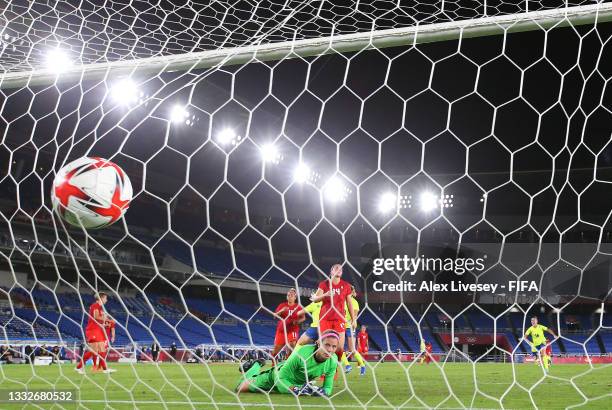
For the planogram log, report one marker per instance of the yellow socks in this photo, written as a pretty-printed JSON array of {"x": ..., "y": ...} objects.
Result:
[
  {"x": 344, "y": 360},
  {"x": 359, "y": 359}
]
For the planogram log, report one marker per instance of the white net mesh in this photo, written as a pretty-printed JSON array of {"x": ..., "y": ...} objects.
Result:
[
  {"x": 124, "y": 30},
  {"x": 255, "y": 177}
]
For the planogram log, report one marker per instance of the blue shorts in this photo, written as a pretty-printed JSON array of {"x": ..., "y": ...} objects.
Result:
[
  {"x": 538, "y": 348},
  {"x": 348, "y": 332},
  {"x": 313, "y": 333}
]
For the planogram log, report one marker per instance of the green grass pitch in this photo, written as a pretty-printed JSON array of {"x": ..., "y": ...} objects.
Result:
[{"x": 387, "y": 385}]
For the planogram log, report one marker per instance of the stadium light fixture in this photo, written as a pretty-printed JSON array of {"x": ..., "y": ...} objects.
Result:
[
  {"x": 387, "y": 202},
  {"x": 125, "y": 92},
  {"x": 335, "y": 190},
  {"x": 227, "y": 136},
  {"x": 178, "y": 114},
  {"x": 447, "y": 201},
  {"x": 269, "y": 153},
  {"x": 428, "y": 201},
  {"x": 301, "y": 173},
  {"x": 57, "y": 60}
]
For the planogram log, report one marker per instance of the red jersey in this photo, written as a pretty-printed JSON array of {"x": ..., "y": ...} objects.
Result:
[
  {"x": 362, "y": 340},
  {"x": 109, "y": 328},
  {"x": 333, "y": 307},
  {"x": 548, "y": 350},
  {"x": 92, "y": 324},
  {"x": 289, "y": 316},
  {"x": 428, "y": 347}
]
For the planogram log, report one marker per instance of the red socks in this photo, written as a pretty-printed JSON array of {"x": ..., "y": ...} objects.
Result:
[
  {"x": 102, "y": 361},
  {"x": 99, "y": 360},
  {"x": 85, "y": 358}
]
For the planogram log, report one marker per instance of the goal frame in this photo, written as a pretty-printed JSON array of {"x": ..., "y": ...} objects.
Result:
[{"x": 345, "y": 43}]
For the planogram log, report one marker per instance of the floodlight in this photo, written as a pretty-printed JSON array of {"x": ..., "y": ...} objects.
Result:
[
  {"x": 387, "y": 202},
  {"x": 125, "y": 92},
  {"x": 428, "y": 201},
  {"x": 301, "y": 173},
  {"x": 57, "y": 60},
  {"x": 178, "y": 114}
]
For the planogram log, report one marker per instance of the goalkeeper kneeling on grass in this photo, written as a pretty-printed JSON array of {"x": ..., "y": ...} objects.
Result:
[{"x": 297, "y": 374}]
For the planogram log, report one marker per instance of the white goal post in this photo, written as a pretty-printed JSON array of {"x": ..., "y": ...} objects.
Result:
[{"x": 426, "y": 33}]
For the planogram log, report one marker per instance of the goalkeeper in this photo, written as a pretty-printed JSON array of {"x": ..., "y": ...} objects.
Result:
[{"x": 295, "y": 375}]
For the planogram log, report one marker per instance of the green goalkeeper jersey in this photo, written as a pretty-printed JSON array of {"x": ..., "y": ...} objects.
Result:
[{"x": 301, "y": 367}]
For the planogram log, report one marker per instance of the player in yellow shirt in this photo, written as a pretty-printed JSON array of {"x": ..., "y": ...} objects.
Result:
[
  {"x": 547, "y": 359},
  {"x": 426, "y": 349},
  {"x": 423, "y": 351},
  {"x": 312, "y": 334},
  {"x": 538, "y": 340},
  {"x": 350, "y": 337}
]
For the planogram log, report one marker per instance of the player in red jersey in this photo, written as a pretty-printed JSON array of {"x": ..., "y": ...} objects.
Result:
[
  {"x": 428, "y": 349},
  {"x": 95, "y": 335},
  {"x": 289, "y": 314},
  {"x": 335, "y": 294},
  {"x": 109, "y": 328},
  {"x": 110, "y": 333},
  {"x": 362, "y": 341}
]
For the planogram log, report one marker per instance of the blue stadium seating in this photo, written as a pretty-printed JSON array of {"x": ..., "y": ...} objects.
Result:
[
  {"x": 61, "y": 316},
  {"x": 511, "y": 337},
  {"x": 480, "y": 320},
  {"x": 218, "y": 261},
  {"x": 517, "y": 319},
  {"x": 576, "y": 343},
  {"x": 606, "y": 337}
]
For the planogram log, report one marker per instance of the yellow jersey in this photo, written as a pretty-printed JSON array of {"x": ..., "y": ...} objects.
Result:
[
  {"x": 314, "y": 309},
  {"x": 347, "y": 315},
  {"x": 537, "y": 335}
]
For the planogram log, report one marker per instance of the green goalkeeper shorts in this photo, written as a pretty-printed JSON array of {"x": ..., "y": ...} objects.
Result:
[{"x": 263, "y": 381}]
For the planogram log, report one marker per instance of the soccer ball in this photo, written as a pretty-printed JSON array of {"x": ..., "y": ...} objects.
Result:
[{"x": 91, "y": 192}]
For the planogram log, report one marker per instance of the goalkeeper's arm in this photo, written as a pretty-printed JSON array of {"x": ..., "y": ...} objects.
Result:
[
  {"x": 288, "y": 379},
  {"x": 286, "y": 375},
  {"x": 328, "y": 384}
]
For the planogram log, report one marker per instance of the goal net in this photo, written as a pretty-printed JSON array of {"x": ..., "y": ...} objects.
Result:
[{"x": 454, "y": 157}]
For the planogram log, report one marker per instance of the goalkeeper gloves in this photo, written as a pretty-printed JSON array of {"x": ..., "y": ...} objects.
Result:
[
  {"x": 308, "y": 390},
  {"x": 318, "y": 391}
]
